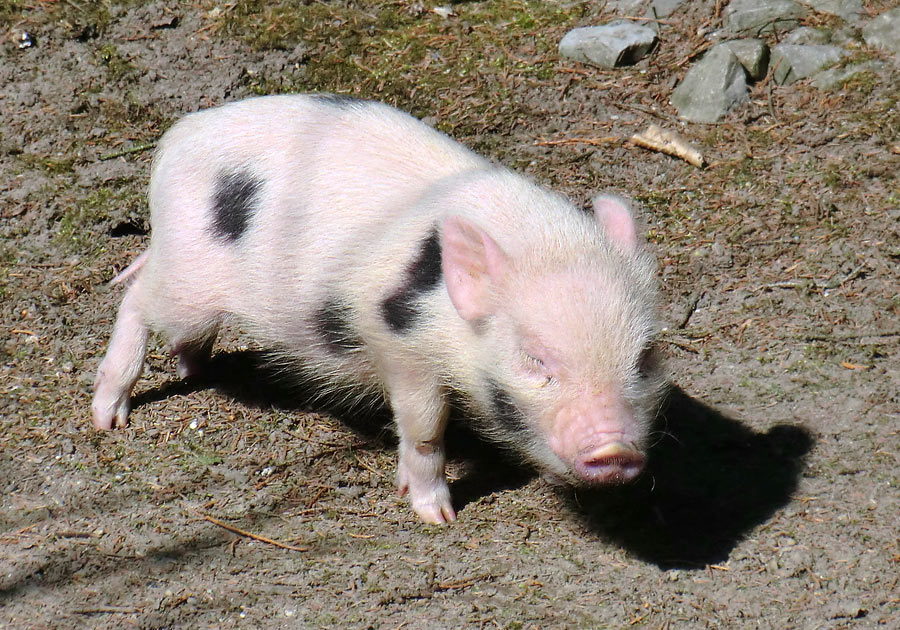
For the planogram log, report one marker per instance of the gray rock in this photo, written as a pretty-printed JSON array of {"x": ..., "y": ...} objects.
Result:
[
  {"x": 616, "y": 44},
  {"x": 798, "y": 61},
  {"x": 808, "y": 35},
  {"x": 712, "y": 87},
  {"x": 752, "y": 17},
  {"x": 836, "y": 77},
  {"x": 663, "y": 8},
  {"x": 753, "y": 55},
  {"x": 625, "y": 7},
  {"x": 884, "y": 31},
  {"x": 846, "y": 35},
  {"x": 846, "y": 9}
]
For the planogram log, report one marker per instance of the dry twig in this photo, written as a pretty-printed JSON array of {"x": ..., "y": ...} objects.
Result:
[
  {"x": 247, "y": 534},
  {"x": 592, "y": 141},
  {"x": 657, "y": 139},
  {"x": 135, "y": 149}
]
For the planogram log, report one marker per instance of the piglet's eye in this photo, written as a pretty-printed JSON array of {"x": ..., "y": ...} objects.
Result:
[{"x": 536, "y": 368}]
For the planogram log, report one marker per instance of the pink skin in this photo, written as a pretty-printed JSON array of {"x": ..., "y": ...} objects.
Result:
[
  {"x": 591, "y": 435},
  {"x": 369, "y": 182},
  {"x": 591, "y": 432}
]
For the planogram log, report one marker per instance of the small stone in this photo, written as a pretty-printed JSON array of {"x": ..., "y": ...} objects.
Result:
[
  {"x": 26, "y": 40},
  {"x": 712, "y": 87},
  {"x": 753, "y": 17},
  {"x": 351, "y": 492},
  {"x": 797, "y": 61},
  {"x": 609, "y": 46},
  {"x": 846, "y": 35},
  {"x": 753, "y": 55},
  {"x": 836, "y": 77},
  {"x": 884, "y": 31},
  {"x": 845, "y": 609},
  {"x": 807, "y": 35},
  {"x": 846, "y": 9},
  {"x": 663, "y": 8},
  {"x": 625, "y": 7}
]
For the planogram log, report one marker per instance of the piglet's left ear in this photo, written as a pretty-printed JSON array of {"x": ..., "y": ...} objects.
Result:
[
  {"x": 473, "y": 266},
  {"x": 614, "y": 214}
]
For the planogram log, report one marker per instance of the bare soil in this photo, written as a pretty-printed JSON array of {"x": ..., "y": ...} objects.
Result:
[{"x": 772, "y": 501}]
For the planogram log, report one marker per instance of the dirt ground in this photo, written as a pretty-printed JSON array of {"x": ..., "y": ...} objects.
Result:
[{"x": 772, "y": 500}]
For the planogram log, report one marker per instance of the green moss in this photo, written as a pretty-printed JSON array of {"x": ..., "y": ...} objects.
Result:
[
  {"x": 82, "y": 19},
  {"x": 77, "y": 227},
  {"x": 206, "y": 458},
  {"x": 11, "y": 11},
  {"x": 831, "y": 176},
  {"x": 863, "y": 82},
  {"x": 117, "y": 66},
  {"x": 51, "y": 165},
  {"x": 416, "y": 60}
]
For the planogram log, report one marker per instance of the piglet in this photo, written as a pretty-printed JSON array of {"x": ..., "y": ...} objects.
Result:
[{"x": 385, "y": 258}]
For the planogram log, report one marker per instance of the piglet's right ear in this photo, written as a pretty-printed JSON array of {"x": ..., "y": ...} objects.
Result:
[
  {"x": 473, "y": 264},
  {"x": 614, "y": 214}
]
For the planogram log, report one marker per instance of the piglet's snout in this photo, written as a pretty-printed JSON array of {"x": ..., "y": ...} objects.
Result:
[
  {"x": 598, "y": 437},
  {"x": 614, "y": 462}
]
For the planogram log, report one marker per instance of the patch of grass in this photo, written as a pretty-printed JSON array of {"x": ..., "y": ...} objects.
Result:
[
  {"x": 863, "y": 83},
  {"x": 74, "y": 225},
  {"x": 204, "y": 459},
  {"x": 415, "y": 59},
  {"x": 117, "y": 66},
  {"x": 832, "y": 176},
  {"x": 82, "y": 20},
  {"x": 50, "y": 165},
  {"x": 78, "y": 226}
]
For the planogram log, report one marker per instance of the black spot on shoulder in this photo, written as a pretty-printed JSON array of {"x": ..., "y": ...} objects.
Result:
[
  {"x": 509, "y": 418},
  {"x": 235, "y": 199},
  {"x": 341, "y": 100},
  {"x": 333, "y": 323},
  {"x": 402, "y": 308}
]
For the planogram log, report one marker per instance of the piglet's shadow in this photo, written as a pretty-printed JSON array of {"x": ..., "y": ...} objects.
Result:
[
  {"x": 257, "y": 380},
  {"x": 253, "y": 379},
  {"x": 709, "y": 478},
  {"x": 709, "y": 481}
]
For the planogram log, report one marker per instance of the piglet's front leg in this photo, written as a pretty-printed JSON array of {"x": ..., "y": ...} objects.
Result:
[{"x": 421, "y": 416}]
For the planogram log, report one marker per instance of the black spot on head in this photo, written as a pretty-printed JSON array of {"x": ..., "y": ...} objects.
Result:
[
  {"x": 340, "y": 100},
  {"x": 333, "y": 323},
  {"x": 402, "y": 308},
  {"x": 235, "y": 199},
  {"x": 509, "y": 420}
]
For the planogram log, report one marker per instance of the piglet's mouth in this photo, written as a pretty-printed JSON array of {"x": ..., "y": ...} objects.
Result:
[{"x": 610, "y": 463}]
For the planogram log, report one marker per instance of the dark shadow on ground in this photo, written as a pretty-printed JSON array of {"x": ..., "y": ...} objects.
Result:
[
  {"x": 253, "y": 379},
  {"x": 709, "y": 481},
  {"x": 257, "y": 380}
]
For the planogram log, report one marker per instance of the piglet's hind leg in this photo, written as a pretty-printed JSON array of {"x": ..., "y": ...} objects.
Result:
[
  {"x": 194, "y": 353},
  {"x": 122, "y": 364}
]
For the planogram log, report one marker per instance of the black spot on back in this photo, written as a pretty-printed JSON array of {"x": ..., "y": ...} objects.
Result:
[
  {"x": 333, "y": 322},
  {"x": 508, "y": 418},
  {"x": 402, "y": 308},
  {"x": 235, "y": 199}
]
